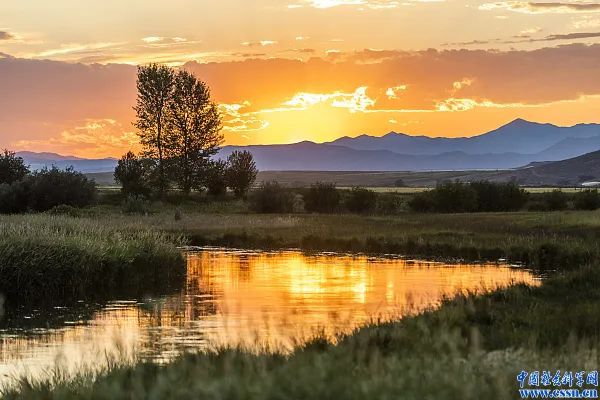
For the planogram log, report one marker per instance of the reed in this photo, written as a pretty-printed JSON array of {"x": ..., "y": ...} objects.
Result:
[{"x": 53, "y": 257}]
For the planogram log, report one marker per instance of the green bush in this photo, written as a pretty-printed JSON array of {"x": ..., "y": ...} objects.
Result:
[
  {"x": 271, "y": 198},
  {"x": 46, "y": 189},
  {"x": 13, "y": 198},
  {"x": 322, "y": 198},
  {"x": 136, "y": 205},
  {"x": 49, "y": 188},
  {"x": 361, "y": 201},
  {"x": 493, "y": 196},
  {"x": 556, "y": 200},
  {"x": 587, "y": 200}
]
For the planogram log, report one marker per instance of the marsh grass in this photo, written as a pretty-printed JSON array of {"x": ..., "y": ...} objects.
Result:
[{"x": 52, "y": 257}]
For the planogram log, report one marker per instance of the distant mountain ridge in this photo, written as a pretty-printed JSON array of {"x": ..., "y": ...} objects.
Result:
[
  {"x": 38, "y": 161},
  {"x": 513, "y": 145}
]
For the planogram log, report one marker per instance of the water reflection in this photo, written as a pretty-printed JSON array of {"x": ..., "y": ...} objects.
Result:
[{"x": 253, "y": 299}]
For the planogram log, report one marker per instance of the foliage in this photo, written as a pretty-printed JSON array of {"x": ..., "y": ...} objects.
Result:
[
  {"x": 241, "y": 172},
  {"x": 133, "y": 174},
  {"x": 361, "y": 201},
  {"x": 136, "y": 205},
  {"x": 458, "y": 197},
  {"x": 556, "y": 200},
  {"x": 12, "y": 168},
  {"x": 215, "y": 178},
  {"x": 270, "y": 198},
  {"x": 587, "y": 200},
  {"x": 155, "y": 85},
  {"x": 46, "y": 189},
  {"x": 193, "y": 130},
  {"x": 499, "y": 196},
  {"x": 52, "y": 187},
  {"x": 322, "y": 198}
]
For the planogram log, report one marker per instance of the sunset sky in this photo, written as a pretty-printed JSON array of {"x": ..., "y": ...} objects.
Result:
[{"x": 287, "y": 71}]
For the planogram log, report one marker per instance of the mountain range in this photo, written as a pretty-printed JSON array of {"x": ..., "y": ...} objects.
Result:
[{"x": 513, "y": 145}]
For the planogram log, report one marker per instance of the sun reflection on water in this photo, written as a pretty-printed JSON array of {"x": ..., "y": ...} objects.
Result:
[{"x": 257, "y": 300}]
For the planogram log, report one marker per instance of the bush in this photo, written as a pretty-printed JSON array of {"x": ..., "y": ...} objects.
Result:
[
  {"x": 422, "y": 202},
  {"x": 555, "y": 200},
  {"x": 49, "y": 188},
  {"x": 13, "y": 198},
  {"x": 499, "y": 196},
  {"x": 390, "y": 204},
  {"x": 46, "y": 189},
  {"x": 214, "y": 180},
  {"x": 133, "y": 174},
  {"x": 136, "y": 205},
  {"x": 322, "y": 198},
  {"x": 361, "y": 201},
  {"x": 241, "y": 172},
  {"x": 270, "y": 197},
  {"x": 12, "y": 168},
  {"x": 587, "y": 200}
]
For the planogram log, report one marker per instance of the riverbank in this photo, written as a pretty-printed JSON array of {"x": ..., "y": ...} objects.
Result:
[
  {"x": 45, "y": 258},
  {"x": 472, "y": 347}
]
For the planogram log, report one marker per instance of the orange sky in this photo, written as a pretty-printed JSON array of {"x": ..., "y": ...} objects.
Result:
[{"x": 286, "y": 71}]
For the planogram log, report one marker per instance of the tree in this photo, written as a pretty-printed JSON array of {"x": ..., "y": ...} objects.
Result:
[
  {"x": 194, "y": 130},
  {"x": 53, "y": 187},
  {"x": 155, "y": 90},
  {"x": 132, "y": 173},
  {"x": 12, "y": 168},
  {"x": 214, "y": 178},
  {"x": 241, "y": 172}
]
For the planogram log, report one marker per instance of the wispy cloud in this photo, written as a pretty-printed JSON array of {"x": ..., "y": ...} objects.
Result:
[
  {"x": 542, "y": 7},
  {"x": 4, "y": 35}
]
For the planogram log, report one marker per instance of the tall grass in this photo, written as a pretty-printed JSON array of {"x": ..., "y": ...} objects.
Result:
[{"x": 45, "y": 257}]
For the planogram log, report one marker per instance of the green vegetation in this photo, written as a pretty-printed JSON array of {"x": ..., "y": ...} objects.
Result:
[
  {"x": 45, "y": 189},
  {"x": 453, "y": 197},
  {"x": 55, "y": 257}
]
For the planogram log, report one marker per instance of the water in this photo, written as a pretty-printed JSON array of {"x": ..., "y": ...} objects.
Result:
[{"x": 259, "y": 300}]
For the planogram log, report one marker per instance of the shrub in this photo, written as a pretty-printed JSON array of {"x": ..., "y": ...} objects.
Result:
[
  {"x": 13, "y": 198},
  {"x": 136, "y": 205},
  {"x": 454, "y": 197},
  {"x": 422, "y": 202},
  {"x": 48, "y": 188},
  {"x": 555, "y": 200},
  {"x": 133, "y": 174},
  {"x": 587, "y": 200},
  {"x": 390, "y": 204},
  {"x": 322, "y": 198},
  {"x": 241, "y": 172},
  {"x": 270, "y": 197},
  {"x": 12, "y": 168},
  {"x": 493, "y": 196},
  {"x": 361, "y": 201},
  {"x": 214, "y": 180}
]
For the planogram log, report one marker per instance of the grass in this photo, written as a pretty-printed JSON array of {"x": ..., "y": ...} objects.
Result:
[
  {"x": 471, "y": 348},
  {"x": 54, "y": 257}
]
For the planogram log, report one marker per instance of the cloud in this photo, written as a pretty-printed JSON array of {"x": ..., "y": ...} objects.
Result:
[
  {"x": 542, "y": 7},
  {"x": 464, "y": 104},
  {"x": 585, "y": 22},
  {"x": 358, "y": 101},
  {"x": 163, "y": 40},
  {"x": 4, "y": 35},
  {"x": 97, "y": 137},
  {"x": 394, "y": 92},
  {"x": 372, "y": 4},
  {"x": 262, "y": 43},
  {"x": 237, "y": 119}
]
